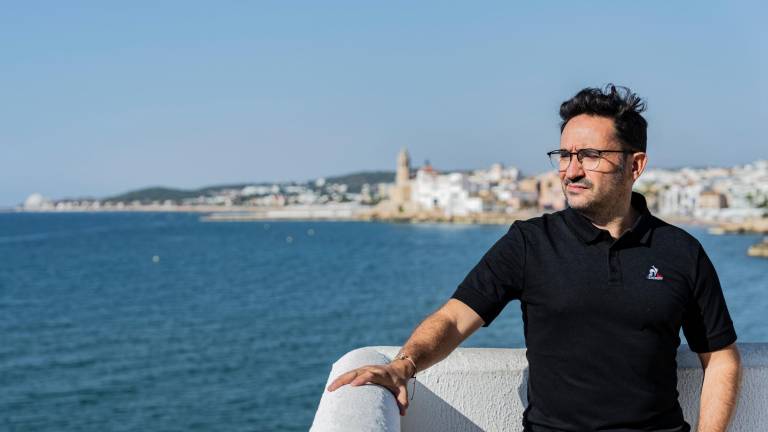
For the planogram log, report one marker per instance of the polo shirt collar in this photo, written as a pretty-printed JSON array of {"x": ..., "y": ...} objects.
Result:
[{"x": 589, "y": 233}]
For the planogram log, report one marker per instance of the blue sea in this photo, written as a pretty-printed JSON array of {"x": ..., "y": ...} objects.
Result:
[{"x": 160, "y": 322}]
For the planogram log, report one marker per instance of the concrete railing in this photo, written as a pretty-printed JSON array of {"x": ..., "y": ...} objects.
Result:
[{"x": 484, "y": 389}]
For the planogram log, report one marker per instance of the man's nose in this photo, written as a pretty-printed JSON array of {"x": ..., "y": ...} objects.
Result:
[{"x": 574, "y": 169}]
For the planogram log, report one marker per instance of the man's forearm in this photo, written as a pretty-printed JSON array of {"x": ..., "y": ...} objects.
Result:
[
  {"x": 433, "y": 339},
  {"x": 718, "y": 397}
]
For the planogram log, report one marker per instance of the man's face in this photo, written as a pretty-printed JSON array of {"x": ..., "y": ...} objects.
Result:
[{"x": 596, "y": 190}]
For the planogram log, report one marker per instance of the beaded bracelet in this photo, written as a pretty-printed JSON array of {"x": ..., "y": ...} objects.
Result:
[{"x": 402, "y": 356}]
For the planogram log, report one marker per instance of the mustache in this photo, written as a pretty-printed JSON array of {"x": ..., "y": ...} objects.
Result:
[{"x": 581, "y": 182}]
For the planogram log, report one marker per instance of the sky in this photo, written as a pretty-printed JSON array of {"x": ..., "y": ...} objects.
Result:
[{"x": 99, "y": 98}]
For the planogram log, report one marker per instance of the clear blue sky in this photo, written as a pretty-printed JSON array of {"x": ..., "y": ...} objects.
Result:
[{"x": 102, "y": 98}]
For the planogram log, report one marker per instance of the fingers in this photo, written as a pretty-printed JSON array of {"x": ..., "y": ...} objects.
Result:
[
  {"x": 362, "y": 378},
  {"x": 374, "y": 376},
  {"x": 369, "y": 374},
  {"x": 402, "y": 399},
  {"x": 356, "y": 377},
  {"x": 343, "y": 379}
]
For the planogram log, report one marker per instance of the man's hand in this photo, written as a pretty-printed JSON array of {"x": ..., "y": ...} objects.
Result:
[
  {"x": 394, "y": 377},
  {"x": 432, "y": 341}
]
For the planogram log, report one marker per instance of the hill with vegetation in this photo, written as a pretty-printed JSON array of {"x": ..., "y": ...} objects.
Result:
[{"x": 354, "y": 182}]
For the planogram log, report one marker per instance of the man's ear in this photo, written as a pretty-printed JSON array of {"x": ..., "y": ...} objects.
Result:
[{"x": 639, "y": 161}]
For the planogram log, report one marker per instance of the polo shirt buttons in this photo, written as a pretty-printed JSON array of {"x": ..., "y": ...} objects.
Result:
[{"x": 614, "y": 267}]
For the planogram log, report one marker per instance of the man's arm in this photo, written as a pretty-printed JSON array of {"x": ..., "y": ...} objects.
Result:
[
  {"x": 439, "y": 334},
  {"x": 436, "y": 337},
  {"x": 719, "y": 393}
]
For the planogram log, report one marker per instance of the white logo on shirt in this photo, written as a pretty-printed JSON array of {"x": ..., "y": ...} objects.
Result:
[{"x": 653, "y": 274}]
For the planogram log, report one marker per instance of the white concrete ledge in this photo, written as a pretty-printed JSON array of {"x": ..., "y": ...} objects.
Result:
[
  {"x": 484, "y": 389},
  {"x": 367, "y": 408}
]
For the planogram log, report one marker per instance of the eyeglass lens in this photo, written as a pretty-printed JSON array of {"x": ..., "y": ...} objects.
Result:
[{"x": 588, "y": 158}]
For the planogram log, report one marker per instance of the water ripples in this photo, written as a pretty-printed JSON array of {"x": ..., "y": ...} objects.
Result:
[{"x": 232, "y": 328}]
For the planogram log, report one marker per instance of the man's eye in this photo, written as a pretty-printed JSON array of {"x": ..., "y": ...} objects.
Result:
[{"x": 591, "y": 154}]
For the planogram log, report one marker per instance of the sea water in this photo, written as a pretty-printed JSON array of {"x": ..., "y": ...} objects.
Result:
[{"x": 160, "y": 322}]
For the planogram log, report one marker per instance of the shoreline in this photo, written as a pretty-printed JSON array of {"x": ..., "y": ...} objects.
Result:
[
  {"x": 213, "y": 214},
  {"x": 250, "y": 214}
]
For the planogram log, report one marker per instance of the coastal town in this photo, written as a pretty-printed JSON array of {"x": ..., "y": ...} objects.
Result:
[
  {"x": 720, "y": 194},
  {"x": 729, "y": 199}
]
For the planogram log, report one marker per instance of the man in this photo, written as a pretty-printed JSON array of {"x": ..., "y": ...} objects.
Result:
[{"x": 604, "y": 288}]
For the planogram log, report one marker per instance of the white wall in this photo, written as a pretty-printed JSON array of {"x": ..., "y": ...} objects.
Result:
[{"x": 484, "y": 389}]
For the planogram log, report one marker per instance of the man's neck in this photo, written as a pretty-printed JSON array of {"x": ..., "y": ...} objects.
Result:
[{"x": 616, "y": 219}]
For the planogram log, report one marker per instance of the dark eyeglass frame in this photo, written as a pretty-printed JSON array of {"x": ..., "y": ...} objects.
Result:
[{"x": 581, "y": 154}]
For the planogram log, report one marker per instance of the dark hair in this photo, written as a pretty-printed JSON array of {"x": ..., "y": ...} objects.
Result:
[{"x": 617, "y": 103}]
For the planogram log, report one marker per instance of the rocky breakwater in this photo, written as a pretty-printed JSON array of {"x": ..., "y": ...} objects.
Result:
[
  {"x": 438, "y": 216},
  {"x": 752, "y": 226},
  {"x": 759, "y": 250}
]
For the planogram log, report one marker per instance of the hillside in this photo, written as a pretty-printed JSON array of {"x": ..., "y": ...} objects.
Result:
[{"x": 354, "y": 182}]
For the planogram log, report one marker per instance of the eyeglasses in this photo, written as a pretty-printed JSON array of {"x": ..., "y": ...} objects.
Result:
[{"x": 587, "y": 157}]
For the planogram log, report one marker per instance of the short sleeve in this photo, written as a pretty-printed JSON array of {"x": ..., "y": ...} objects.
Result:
[
  {"x": 706, "y": 323},
  {"x": 497, "y": 278}
]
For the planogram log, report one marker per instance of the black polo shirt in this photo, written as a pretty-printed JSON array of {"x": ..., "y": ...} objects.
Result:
[{"x": 602, "y": 317}]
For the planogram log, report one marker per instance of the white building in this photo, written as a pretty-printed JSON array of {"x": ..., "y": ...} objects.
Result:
[
  {"x": 688, "y": 192},
  {"x": 446, "y": 192},
  {"x": 37, "y": 202},
  {"x": 679, "y": 199}
]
